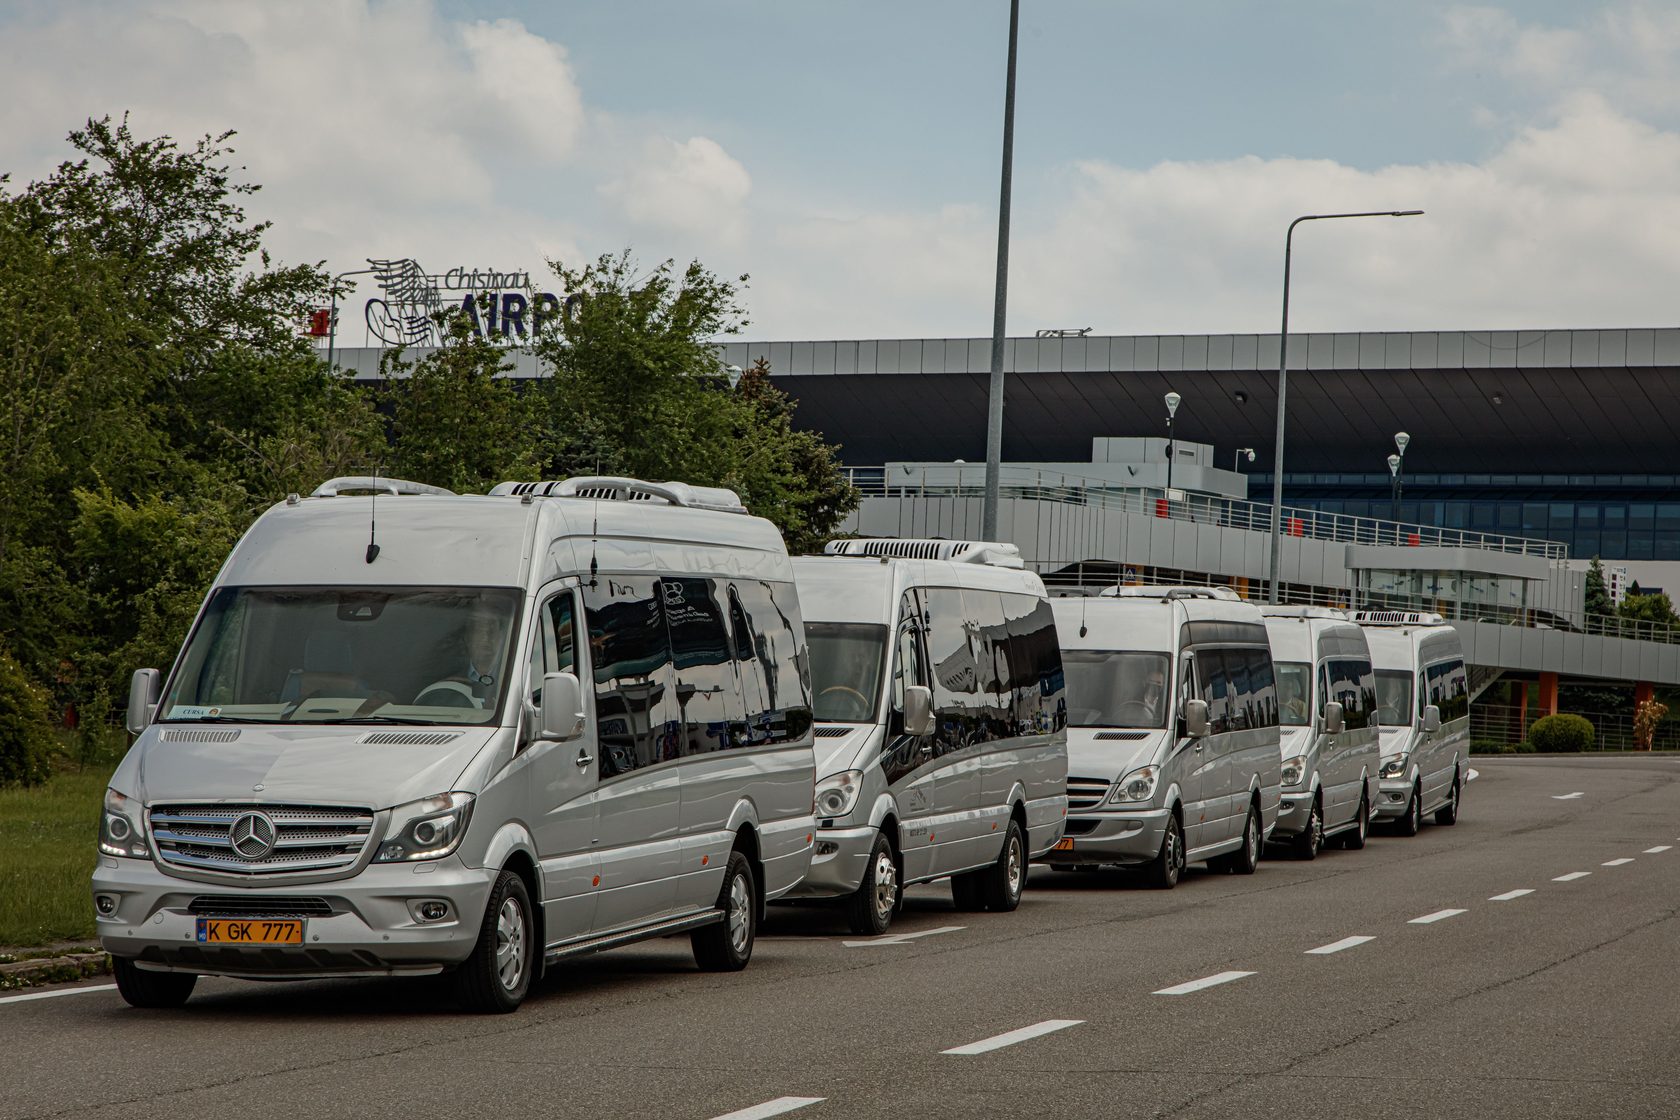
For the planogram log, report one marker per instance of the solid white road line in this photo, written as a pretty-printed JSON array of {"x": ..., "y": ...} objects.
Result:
[
  {"x": 1567, "y": 796},
  {"x": 1205, "y": 982},
  {"x": 1439, "y": 915},
  {"x": 1616, "y": 862},
  {"x": 1338, "y": 946},
  {"x": 59, "y": 992},
  {"x": 1010, "y": 1038},
  {"x": 1658, "y": 848},
  {"x": 770, "y": 1108},
  {"x": 1572, "y": 876},
  {"x": 1509, "y": 895},
  {"x": 900, "y": 938}
]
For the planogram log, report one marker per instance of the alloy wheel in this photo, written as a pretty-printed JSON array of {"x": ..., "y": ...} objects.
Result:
[{"x": 510, "y": 944}]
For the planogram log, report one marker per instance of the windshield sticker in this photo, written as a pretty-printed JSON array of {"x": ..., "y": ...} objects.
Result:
[{"x": 188, "y": 711}]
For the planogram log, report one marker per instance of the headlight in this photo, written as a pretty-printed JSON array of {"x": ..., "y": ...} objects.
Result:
[
  {"x": 1395, "y": 766},
  {"x": 1139, "y": 785},
  {"x": 426, "y": 829},
  {"x": 1294, "y": 769},
  {"x": 837, "y": 793},
  {"x": 120, "y": 833}
]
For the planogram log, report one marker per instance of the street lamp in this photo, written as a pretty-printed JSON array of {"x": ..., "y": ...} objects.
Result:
[
  {"x": 332, "y": 315},
  {"x": 1172, "y": 400},
  {"x": 1397, "y": 469},
  {"x": 1394, "y": 489},
  {"x": 1236, "y": 458},
  {"x": 994, "y": 401},
  {"x": 1283, "y": 382}
]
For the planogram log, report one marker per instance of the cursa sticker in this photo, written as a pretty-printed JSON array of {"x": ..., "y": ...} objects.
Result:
[{"x": 188, "y": 711}]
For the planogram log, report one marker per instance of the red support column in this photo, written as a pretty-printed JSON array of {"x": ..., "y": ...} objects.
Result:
[
  {"x": 1522, "y": 710},
  {"x": 1548, "y": 694},
  {"x": 1642, "y": 692}
]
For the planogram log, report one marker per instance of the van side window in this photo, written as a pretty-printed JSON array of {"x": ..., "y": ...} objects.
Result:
[
  {"x": 765, "y": 628},
  {"x": 907, "y": 661},
  {"x": 552, "y": 646},
  {"x": 1353, "y": 686},
  {"x": 1215, "y": 685},
  {"x": 988, "y": 630},
  {"x": 955, "y": 669},
  {"x": 1448, "y": 688},
  {"x": 708, "y": 687},
  {"x": 1038, "y": 685},
  {"x": 1262, "y": 684},
  {"x": 636, "y": 711}
]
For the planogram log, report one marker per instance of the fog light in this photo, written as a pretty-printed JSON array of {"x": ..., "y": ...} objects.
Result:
[
  {"x": 434, "y": 911},
  {"x": 105, "y": 904},
  {"x": 826, "y": 848},
  {"x": 1286, "y": 806},
  {"x": 1397, "y": 797}
]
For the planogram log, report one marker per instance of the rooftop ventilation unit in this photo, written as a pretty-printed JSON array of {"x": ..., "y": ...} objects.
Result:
[
  {"x": 996, "y": 553},
  {"x": 367, "y": 484},
  {"x": 1163, "y": 592},
  {"x": 1280, "y": 610},
  {"x": 611, "y": 489},
  {"x": 1396, "y": 618}
]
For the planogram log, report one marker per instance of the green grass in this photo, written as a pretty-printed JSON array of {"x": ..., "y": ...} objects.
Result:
[{"x": 47, "y": 851}]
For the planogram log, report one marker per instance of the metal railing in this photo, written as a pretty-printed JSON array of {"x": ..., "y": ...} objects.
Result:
[
  {"x": 1612, "y": 731},
  {"x": 1208, "y": 509}
]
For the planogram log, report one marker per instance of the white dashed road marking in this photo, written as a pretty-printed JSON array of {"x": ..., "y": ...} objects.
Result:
[
  {"x": 900, "y": 938},
  {"x": 1572, "y": 876},
  {"x": 1205, "y": 982},
  {"x": 1010, "y": 1038},
  {"x": 1658, "y": 848},
  {"x": 1338, "y": 946},
  {"x": 770, "y": 1108},
  {"x": 59, "y": 992},
  {"x": 1567, "y": 796},
  {"x": 1439, "y": 915},
  {"x": 1509, "y": 895},
  {"x": 1616, "y": 862}
]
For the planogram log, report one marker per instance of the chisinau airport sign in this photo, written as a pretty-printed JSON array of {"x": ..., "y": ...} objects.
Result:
[{"x": 498, "y": 305}]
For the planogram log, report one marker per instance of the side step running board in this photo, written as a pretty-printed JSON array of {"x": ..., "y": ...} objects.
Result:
[{"x": 614, "y": 940}]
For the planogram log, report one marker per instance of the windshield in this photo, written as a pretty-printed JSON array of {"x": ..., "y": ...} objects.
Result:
[
  {"x": 1107, "y": 688},
  {"x": 1394, "y": 697},
  {"x": 846, "y": 662},
  {"x": 347, "y": 654},
  {"x": 1294, "y": 689}
]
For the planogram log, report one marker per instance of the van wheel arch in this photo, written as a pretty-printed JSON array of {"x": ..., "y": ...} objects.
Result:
[
  {"x": 746, "y": 842},
  {"x": 521, "y": 864}
]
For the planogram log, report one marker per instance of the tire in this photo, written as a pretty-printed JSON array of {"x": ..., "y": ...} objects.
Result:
[
  {"x": 141, "y": 988},
  {"x": 968, "y": 891},
  {"x": 496, "y": 977},
  {"x": 1409, "y": 824},
  {"x": 1354, "y": 839},
  {"x": 1311, "y": 840},
  {"x": 1245, "y": 859},
  {"x": 869, "y": 911},
  {"x": 1002, "y": 883},
  {"x": 727, "y": 946},
  {"x": 1448, "y": 813},
  {"x": 1163, "y": 872}
]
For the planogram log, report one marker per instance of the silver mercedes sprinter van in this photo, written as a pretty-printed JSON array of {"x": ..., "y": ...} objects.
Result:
[
  {"x": 937, "y": 685},
  {"x": 1326, "y": 701},
  {"x": 412, "y": 732},
  {"x": 1423, "y": 709},
  {"x": 1172, "y": 731}
]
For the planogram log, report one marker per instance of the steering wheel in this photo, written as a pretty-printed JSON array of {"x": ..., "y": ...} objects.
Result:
[
  {"x": 1143, "y": 711},
  {"x": 857, "y": 699},
  {"x": 447, "y": 694}
]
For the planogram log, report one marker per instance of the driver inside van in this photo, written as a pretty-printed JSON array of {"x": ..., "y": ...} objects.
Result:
[
  {"x": 1150, "y": 694},
  {"x": 476, "y": 652}
]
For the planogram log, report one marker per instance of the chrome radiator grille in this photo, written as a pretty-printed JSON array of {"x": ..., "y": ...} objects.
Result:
[
  {"x": 1086, "y": 793},
  {"x": 260, "y": 839}
]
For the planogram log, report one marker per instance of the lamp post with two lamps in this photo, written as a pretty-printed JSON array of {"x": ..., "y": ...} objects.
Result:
[
  {"x": 1172, "y": 401},
  {"x": 1283, "y": 383},
  {"x": 1397, "y": 472}
]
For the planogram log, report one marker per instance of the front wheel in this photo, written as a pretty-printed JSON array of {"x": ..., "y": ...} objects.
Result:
[
  {"x": 1164, "y": 870},
  {"x": 495, "y": 978},
  {"x": 870, "y": 909},
  {"x": 1354, "y": 839},
  {"x": 1412, "y": 822},
  {"x": 1245, "y": 859},
  {"x": 142, "y": 988},
  {"x": 1448, "y": 813},
  {"x": 727, "y": 946},
  {"x": 1311, "y": 839}
]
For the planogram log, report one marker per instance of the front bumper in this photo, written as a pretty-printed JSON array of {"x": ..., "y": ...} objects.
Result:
[
  {"x": 838, "y": 862},
  {"x": 369, "y": 931},
  {"x": 1131, "y": 836},
  {"x": 1293, "y": 813},
  {"x": 1392, "y": 798}
]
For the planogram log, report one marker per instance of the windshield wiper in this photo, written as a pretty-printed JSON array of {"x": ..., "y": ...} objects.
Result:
[
  {"x": 219, "y": 719},
  {"x": 377, "y": 719}
]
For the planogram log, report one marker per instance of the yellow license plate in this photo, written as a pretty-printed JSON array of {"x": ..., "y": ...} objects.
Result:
[
  {"x": 1063, "y": 845},
  {"x": 250, "y": 931}
]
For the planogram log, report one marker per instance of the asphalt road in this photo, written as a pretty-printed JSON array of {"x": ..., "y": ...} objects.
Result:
[{"x": 1561, "y": 1002}]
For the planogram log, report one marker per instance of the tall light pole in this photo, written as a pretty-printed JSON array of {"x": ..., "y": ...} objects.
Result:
[
  {"x": 994, "y": 410},
  {"x": 1171, "y": 400},
  {"x": 1394, "y": 489},
  {"x": 332, "y": 315},
  {"x": 1397, "y": 465},
  {"x": 1283, "y": 383}
]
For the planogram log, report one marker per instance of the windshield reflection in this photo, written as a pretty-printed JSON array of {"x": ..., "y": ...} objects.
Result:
[
  {"x": 846, "y": 659},
  {"x": 1107, "y": 688}
]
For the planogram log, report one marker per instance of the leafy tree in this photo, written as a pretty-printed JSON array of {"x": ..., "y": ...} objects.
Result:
[
  {"x": 26, "y": 734},
  {"x": 826, "y": 496},
  {"x": 1654, "y": 608},
  {"x": 1598, "y": 602}
]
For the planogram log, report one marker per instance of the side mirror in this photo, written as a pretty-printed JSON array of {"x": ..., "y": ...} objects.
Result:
[
  {"x": 562, "y": 707},
  {"x": 1334, "y": 722},
  {"x": 145, "y": 688},
  {"x": 1432, "y": 718},
  {"x": 1195, "y": 718},
  {"x": 918, "y": 710}
]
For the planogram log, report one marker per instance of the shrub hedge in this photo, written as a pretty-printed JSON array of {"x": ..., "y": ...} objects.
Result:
[{"x": 1561, "y": 734}]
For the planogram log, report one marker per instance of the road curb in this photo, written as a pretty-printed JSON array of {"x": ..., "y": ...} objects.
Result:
[{"x": 59, "y": 969}]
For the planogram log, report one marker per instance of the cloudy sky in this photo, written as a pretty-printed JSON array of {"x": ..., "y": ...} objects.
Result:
[{"x": 845, "y": 154}]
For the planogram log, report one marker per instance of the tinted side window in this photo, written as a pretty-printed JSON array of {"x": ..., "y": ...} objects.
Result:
[
  {"x": 1353, "y": 687},
  {"x": 708, "y": 684},
  {"x": 957, "y": 700},
  {"x": 1262, "y": 689},
  {"x": 1215, "y": 688},
  {"x": 1039, "y": 700},
  {"x": 766, "y": 633},
  {"x": 903, "y": 753},
  {"x": 988, "y": 629},
  {"x": 1448, "y": 689},
  {"x": 637, "y": 717},
  {"x": 553, "y": 648}
]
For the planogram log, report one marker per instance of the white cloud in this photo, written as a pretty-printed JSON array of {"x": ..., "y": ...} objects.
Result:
[
  {"x": 539, "y": 104},
  {"x": 693, "y": 187}
]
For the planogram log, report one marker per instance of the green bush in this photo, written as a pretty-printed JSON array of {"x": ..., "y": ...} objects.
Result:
[
  {"x": 1492, "y": 746},
  {"x": 1561, "y": 734},
  {"x": 26, "y": 732}
]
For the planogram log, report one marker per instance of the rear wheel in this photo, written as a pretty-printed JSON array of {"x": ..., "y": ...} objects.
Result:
[
  {"x": 1448, "y": 813},
  {"x": 1164, "y": 870},
  {"x": 1412, "y": 821},
  {"x": 1002, "y": 883},
  {"x": 870, "y": 909},
  {"x": 1311, "y": 839},
  {"x": 495, "y": 978},
  {"x": 141, "y": 988},
  {"x": 727, "y": 946}
]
